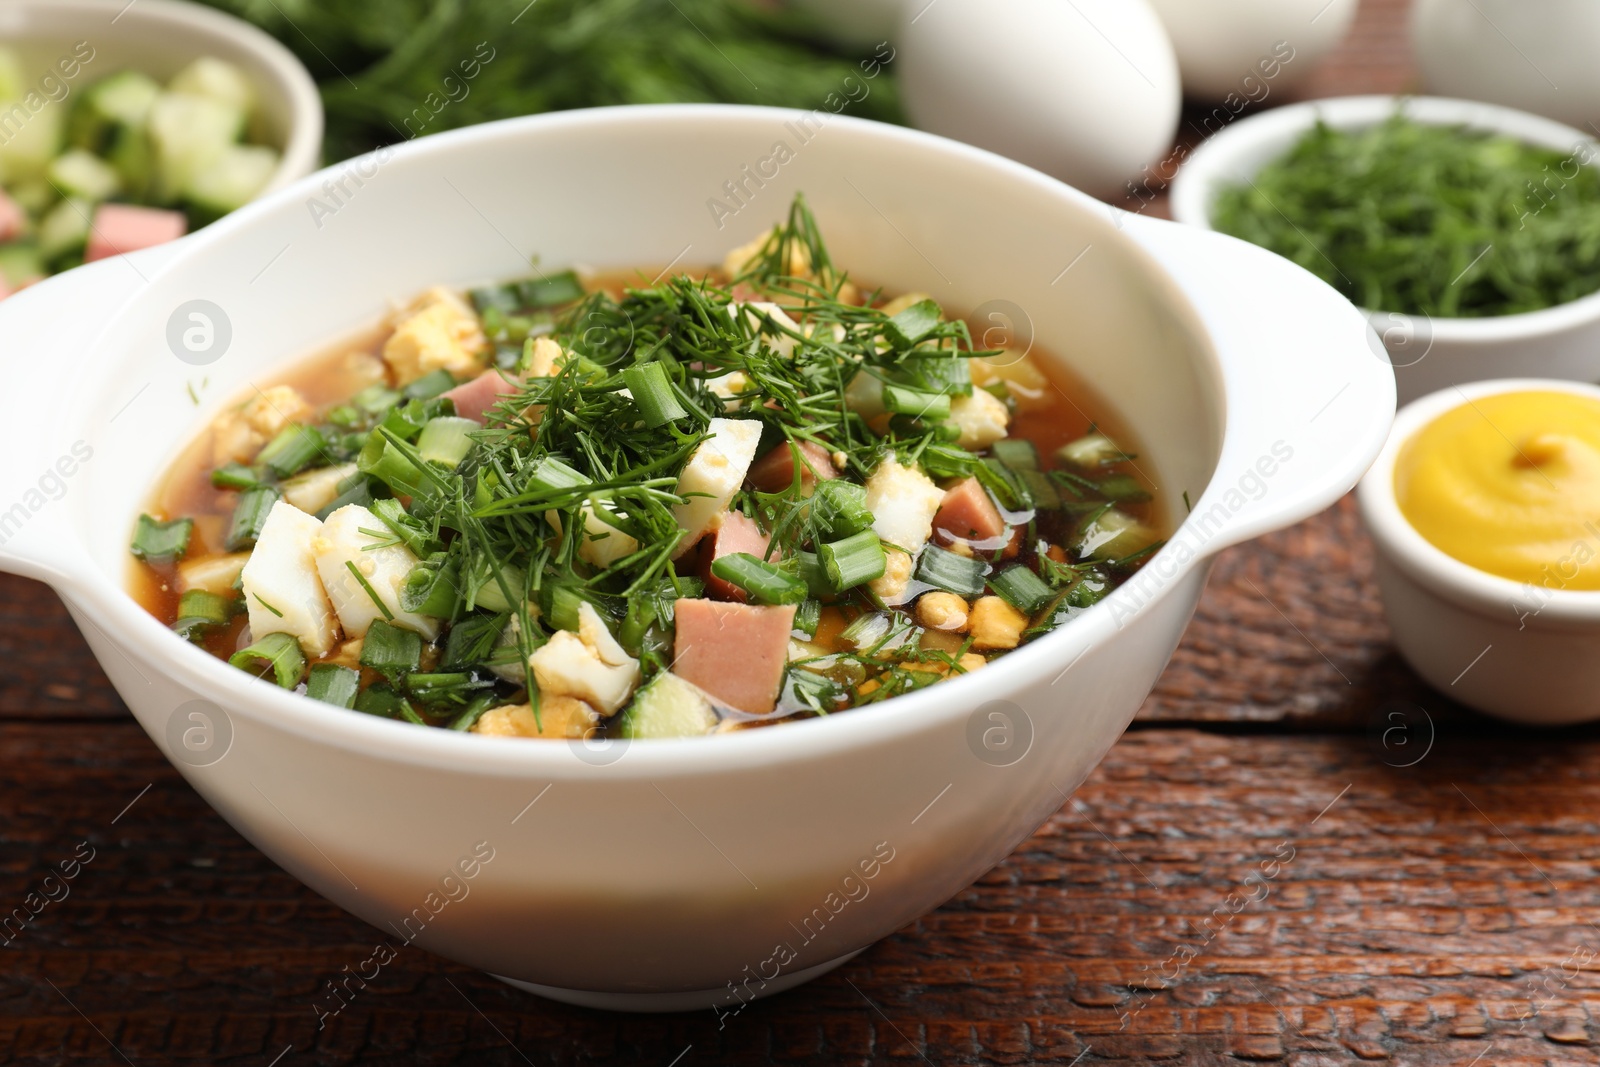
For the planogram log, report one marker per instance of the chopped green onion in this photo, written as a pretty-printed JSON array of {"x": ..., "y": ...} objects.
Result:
[
  {"x": 444, "y": 440},
  {"x": 381, "y": 700},
  {"x": 200, "y": 611},
  {"x": 948, "y": 461},
  {"x": 393, "y": 514},
  {"x": 278, "y": 652},
  {"x": 235, "y": 476},
  {"x": 359, "y": 492},
  {"x": 840, "y": 507},
  {"x": 383, "y": 461},
  {"x": 492, "y": 593},
  {"x": 564, "y": 602},
  {"x": 391, "y": 650},
  {"x": 1016, "y": 453},
  {"x": 912, "y": 324},
  {"x": 1041, "y": 489},
  {"x": 292, "y": 450},
  {"x": 437, "y": 680},
  {"x": 249, "y": 516},
  {"x": 766, "y": 583},
  {"x": 161, "y": 542},
  {"x": 866, "y": 630},
  {"x": 550, "y": 291},
  {"x": 433, "y": 587},
  {"x": 927, "y": 407},
  {"x": 345, "y": 416},
  {"x": 333, "y": 684},
  {"x": 808, "y": 616},
  {"x": 501, "y": 300},
  {"x": 950, "y": 571},
  {"x": 811, "y": 571},
  {"x": 652, "y": 394},
  {"x": 1021, "y": 588},
  {"x": 853, "y": 560},
  {"x": 474, "y": 711},
  {"x": 430, "y": 385},
  {"x": 941, "y": 374},
  {"x": 407, "y": 420},
  {"x": 1123, "y": 488},
  {"x": 552, "y": 475},
  {"x": 376, "y": 399}
]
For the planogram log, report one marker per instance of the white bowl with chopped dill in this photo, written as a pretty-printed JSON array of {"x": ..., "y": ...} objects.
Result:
[{"x": 1466, "y": 267}]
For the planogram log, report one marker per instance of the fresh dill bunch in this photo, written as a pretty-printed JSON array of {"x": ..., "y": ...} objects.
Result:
[
  {"x": 1424, "y": 219},
  {"x": 378, "y": 61}
]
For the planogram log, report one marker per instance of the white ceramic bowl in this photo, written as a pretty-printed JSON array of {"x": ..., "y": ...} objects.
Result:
[
  {"x": 160, "y": 37},
  {"x": 1427, "y": 353},
  {"x": 656, "y": 874},
  {"x": 1489, "y": 642}
]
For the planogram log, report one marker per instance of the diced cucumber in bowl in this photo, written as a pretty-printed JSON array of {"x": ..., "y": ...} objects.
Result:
[
  {"x": 64, "y": 230},
  {"x": 36, "y": 141},
  {"x": 231, "y": 180},
  {"x": 20, "y": 263},
  {"x": 112, "y": 108},
  {"x": 216, "y": 79},
  {"x": 83, "y": 175},
  {"x": 124, "y": 164},
  {"x": 187, "y": 134}
]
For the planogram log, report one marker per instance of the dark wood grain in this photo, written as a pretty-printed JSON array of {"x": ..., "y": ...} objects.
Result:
[{"x": 1439, "y": 906}]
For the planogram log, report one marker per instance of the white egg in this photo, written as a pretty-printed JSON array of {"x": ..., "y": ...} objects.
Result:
[
  {"x": 1228, "y": 46},
  {"x": 1085, "y": 90},
  {"x": 1536, "y": 57},
  {"x": 856, "y": 23}
]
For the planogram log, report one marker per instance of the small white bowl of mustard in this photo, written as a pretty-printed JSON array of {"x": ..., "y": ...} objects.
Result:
[{"x": 1485, "y": 508}]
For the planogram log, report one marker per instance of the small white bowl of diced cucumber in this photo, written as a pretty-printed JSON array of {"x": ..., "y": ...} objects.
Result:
[{"x": 124, "y": 125}]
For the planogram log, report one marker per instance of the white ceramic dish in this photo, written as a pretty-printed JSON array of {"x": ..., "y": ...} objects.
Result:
[
  {"x": 160, "y": 37},
  {"x": 1489, "y": 642},
  {"x": 667, "y": 874},
  {"x": 1427, "y": 354}
]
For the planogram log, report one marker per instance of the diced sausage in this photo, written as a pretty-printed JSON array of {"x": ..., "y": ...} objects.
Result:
[
  {"x": 968, "y": 514},
  {"x": 774, "y": 472},
  {"x": 738, "y": 533},
  {"x": 735, "y": 652},
  {"x": 476, "y": 399},
  {"x": 118, "y": 229}
]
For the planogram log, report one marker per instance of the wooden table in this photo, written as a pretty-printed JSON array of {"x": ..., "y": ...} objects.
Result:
[{"x": 1432, "y": 899}]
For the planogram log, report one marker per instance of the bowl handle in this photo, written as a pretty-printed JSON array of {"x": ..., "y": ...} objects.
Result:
[
  {"x": 1309, "y": 395},
  {"x": 47, "y": 336}
]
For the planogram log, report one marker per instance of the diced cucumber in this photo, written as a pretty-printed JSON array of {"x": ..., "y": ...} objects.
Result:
[
  {"x": 20, "y": 262},
  {"x": 217, "y": 79},
  {"x": 232, "y": 179},
  {"x": 28, "y": 141},
  {"x": 1115, "y": 534},
  {"x": 131, "y": 154},
  {"x": 1091, "y": 452},
  {"x": 111, "y": 109},
  {"x": 35, "y": 197},
  {"x": 11, "y": 86},
  {"x": 65, "y": 229},
  {"x": 667, "y": 707},
  {"x": 187, "y": 134},
  {"x": 81, "y": 174}
]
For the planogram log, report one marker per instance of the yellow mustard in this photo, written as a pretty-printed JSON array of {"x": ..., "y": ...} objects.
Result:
[{"x": 1510, "y": 484}]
